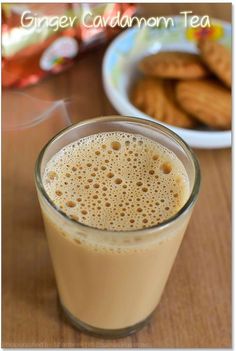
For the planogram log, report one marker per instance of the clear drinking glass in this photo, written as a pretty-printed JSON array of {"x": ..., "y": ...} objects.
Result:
[{"x": 110, "y": 282}]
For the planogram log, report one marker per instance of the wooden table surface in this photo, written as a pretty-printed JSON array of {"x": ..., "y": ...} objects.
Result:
[{"x": 195, "y": 310}]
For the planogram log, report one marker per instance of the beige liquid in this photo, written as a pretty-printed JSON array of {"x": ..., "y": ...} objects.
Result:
[{"x": 116, "y": 182}]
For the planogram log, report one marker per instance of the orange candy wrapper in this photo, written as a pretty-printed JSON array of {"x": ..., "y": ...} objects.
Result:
[{"x": 43, "y": 39}]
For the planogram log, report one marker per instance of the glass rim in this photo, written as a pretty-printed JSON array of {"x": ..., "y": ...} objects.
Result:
[{"x": 170, "y": 133}]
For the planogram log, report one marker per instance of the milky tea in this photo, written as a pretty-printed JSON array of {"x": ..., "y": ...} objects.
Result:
[{"x": 114, "y": 186}]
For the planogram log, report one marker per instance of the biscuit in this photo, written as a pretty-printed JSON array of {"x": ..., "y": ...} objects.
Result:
[
  {"x": 174, "y": 65},
  {"x": 155, "y": 97},
  {"x": 206, "y": 100},
  {"x": 218, "y": 58}
]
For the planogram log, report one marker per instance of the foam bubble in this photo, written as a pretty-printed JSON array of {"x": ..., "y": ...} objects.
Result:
[{"x": 116, "y": 181}]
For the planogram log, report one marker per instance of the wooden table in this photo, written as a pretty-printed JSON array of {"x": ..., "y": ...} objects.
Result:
[{"x": 195, "y": 310}]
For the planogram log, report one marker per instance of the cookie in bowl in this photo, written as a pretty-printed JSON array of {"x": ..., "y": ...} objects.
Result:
[
  {"x": 174, "y": 65},
  {"x": 207, "y": 100},
  {"x": 218, "y": 59},
  {"x": 156, "y": 97}
]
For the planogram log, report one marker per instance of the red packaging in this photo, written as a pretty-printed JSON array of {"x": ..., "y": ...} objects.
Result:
[{"x": 43, "y": 39}]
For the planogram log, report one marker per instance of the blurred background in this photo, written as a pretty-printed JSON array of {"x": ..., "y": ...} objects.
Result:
[
  {"x": 195, "y": 310},
  {"x": 76, "y": 81}
]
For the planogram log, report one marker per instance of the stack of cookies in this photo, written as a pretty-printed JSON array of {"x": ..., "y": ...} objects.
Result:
[{"x": 185, "y": 89}]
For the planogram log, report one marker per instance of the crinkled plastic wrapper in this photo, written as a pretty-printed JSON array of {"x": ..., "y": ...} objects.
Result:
[{"x": 43, "y": 39}]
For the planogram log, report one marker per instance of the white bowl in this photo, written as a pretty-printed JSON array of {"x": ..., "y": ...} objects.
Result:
[{"x": 120, "y": 70}]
